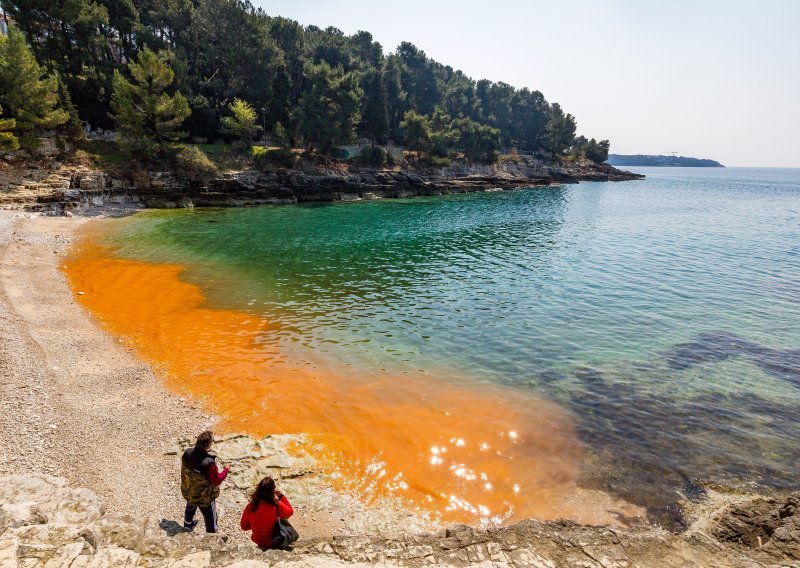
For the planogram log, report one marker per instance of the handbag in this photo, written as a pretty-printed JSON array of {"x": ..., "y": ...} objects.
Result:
[{"x": 283, "y": 533}]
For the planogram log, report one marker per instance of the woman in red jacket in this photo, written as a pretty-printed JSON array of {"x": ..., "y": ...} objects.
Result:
[{"x": 261, "y": 512}]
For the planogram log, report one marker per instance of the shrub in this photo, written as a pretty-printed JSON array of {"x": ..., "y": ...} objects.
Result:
[
  {"x": 437, "y": 161},
  {"x": 193, "y": 164},
  {"x": 242, "y": 124},
  {"x": 511, "y": 158},
  {"x": 373, "y": 157},
  {"x": 274, "y": 158},
  {"x": 280, "y": 137}
]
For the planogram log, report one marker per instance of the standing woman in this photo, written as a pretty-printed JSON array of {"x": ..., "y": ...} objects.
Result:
[{"x": 262, "y": 511}]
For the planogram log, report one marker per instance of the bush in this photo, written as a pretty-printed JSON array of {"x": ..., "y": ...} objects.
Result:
[
  {"x": 373, "y": 157},
  {"x": 193, "y": 164},
  {"x": 437, "y": 161},
  {"x": 512, "y": 158},
  {"x": 274, "y": 157}
]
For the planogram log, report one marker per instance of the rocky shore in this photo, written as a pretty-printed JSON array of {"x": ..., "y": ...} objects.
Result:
[
  {"x": 63, "y": 187},
  {"x": 45, "y": 522}
]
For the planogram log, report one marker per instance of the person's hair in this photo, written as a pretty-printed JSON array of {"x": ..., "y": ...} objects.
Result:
[
  {"x": 204, "y": 440},
  {"x": 265, "y": 492}
]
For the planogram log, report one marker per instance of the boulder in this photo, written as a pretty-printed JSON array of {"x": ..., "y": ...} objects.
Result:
[
  {"x": 770, "y": 526},
  {"x": 34, "y": 499}
]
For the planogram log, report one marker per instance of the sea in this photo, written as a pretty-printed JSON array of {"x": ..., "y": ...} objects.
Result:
[{"x": 488, "y": 355}]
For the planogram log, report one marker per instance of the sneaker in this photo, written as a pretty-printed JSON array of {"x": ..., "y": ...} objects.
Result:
[{"x": 190, "y": 526}]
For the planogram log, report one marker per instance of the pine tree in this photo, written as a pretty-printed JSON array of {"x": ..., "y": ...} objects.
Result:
[
  {"x": 280, "y": 137},
  {"x": 480, "y": 142},
  {"x": 243, "y": 122},
  {"x": 375, "y": 116},
  {"x": 416, "y": 132},
  {"x": 143, "y": 111},
  {"x": 560, "y": 131},
  {"x": 280, "y": 104},
  {"x": 328, "y": 111},
  {"x": 8, "y": 141},
  {"x": 444, "y": 134},
  {"x": 30, "y": 95}
]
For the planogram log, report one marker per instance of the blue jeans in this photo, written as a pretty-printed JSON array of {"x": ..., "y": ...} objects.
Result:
[{"x": 209, "y": 516}]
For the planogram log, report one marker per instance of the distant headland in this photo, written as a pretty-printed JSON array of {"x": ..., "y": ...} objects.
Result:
[{"x": 661, "y": 161}]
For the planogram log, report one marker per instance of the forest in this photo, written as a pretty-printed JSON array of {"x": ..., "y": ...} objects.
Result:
[{"x": 163, "y": 72}]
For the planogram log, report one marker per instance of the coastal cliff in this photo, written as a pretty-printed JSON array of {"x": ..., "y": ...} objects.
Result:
[{"x": 62, "y": 187}]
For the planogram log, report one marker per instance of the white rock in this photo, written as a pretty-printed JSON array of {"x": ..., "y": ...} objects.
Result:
[
  {"x": 8, "y": 552},
  {"x": 111, "y": 557},
  {"x": 200, "y": 559}
]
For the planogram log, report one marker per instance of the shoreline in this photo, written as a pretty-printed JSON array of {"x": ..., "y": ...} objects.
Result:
[
  {"x": 78, "y": 404},
  {"x": 63, "y": 188}
]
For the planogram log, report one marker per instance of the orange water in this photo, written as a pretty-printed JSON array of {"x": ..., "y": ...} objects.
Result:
[{"x": 461, "y": 449}]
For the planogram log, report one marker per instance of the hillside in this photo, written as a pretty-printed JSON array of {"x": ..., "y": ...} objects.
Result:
[
  {"x": 661, "y": 161},
  {"x": 162, "y": 73}
]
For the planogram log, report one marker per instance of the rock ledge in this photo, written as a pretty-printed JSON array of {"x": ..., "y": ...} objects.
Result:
[{"x": 44, "y": 522}]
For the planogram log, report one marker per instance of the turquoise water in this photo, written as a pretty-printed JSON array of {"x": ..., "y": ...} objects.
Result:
[{"x": 662, "y": 313}]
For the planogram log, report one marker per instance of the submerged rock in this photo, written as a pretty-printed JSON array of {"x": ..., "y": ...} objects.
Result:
[{"x": 712, "y": 347}]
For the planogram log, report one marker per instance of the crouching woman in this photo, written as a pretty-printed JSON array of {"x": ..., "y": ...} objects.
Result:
[{"x": 266, "y": 506}]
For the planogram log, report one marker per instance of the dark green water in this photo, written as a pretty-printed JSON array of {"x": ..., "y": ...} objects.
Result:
[{"x": 663, "y": 313}]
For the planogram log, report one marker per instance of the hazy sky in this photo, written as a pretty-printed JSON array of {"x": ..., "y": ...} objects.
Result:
[{"x": 714, "y": 79}]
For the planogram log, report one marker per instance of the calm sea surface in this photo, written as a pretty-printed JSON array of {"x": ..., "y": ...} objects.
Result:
[{"x": 663, "y": 314}]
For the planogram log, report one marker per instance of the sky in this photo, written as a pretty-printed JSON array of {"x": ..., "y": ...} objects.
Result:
[{"x": 703, "y": 78}]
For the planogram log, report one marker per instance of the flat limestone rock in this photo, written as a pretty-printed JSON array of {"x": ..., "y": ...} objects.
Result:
[
  {"x": 53, "y": 525},
  {"x": 39, "y": 498}
]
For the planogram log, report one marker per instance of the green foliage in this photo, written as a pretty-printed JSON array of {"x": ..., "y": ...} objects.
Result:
[
  {"x": 280, "y": 137},
  {"x": 591, "y": 149},
  {"x": 279, "y": 110},
  {"x": 266, "y": 160},
  {"x": 444, "y": 133},
  {"x": 560, "y": 131},
  {"x": 437, "y": 161},
  {"x": 373, "y": 156},
  {"x": 321, "y": 85},
  {"x": 73, "y": 127},
  {"x": 29, "y": 95},
  {"x": 82, "y": 41},
  {"x": 193, "y": 164},
  {"x": 146, "y": 116},
  {"x": 419, "y": 78},
  {"x": 480, "y": 142},
  {"x": 242, "y": 124},
  {"x": 8, "y": 141},
  {"x": 329, "y": 109},
  {"x": 106, "y": 155},
  {"x": 375, "y": 115},
  {"x": 416, "y": 132},
  {"x": 598, "y": 151}
]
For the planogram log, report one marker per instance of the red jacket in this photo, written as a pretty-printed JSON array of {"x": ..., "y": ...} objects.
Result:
[{"x": 262, "y": 522}]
